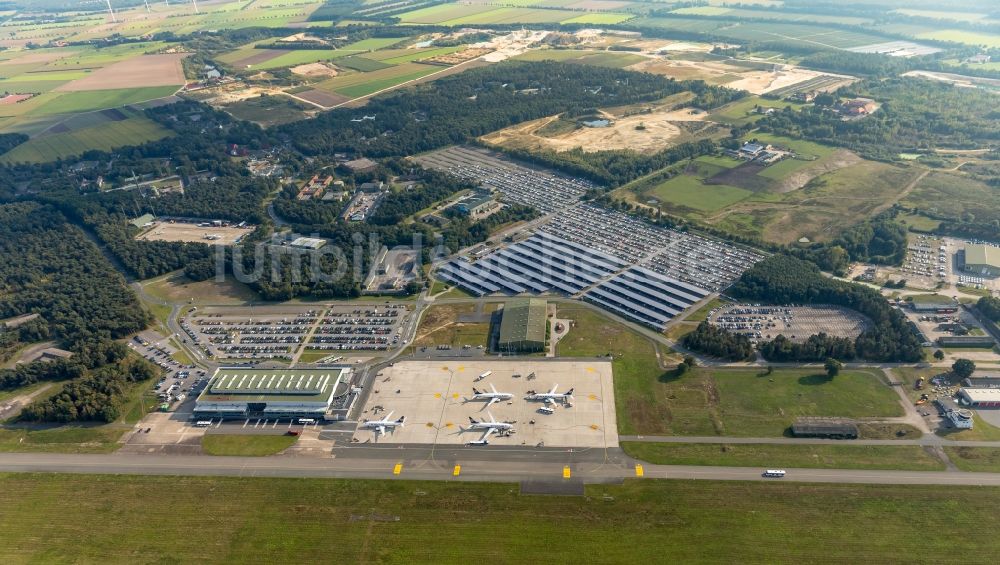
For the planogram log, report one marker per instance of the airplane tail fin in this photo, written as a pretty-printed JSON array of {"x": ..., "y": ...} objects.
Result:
[
  {"x": 475, "y": 391},
  {"x": 401, "y": 421},
  {"x": 569, "y": 392}
]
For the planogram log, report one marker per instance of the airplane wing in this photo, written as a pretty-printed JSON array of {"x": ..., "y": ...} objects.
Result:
[
  {"x": 487, "y": 433},
  {"x": 553, "y": 391},
  {"x": 492, "y": 400},
  {"x": 380, "y": 431},
  {"x": 388, "y": 416},
  {"x": 493, "y": 388}
]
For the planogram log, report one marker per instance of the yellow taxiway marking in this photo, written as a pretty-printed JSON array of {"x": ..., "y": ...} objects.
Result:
[
  {"x": 448, "y": 425},
  {"x": 454, "y": 395},
  {"x": 437, "y": 395},
  {"x": 457, "y": 471},
  {"x": 444, "y": 368},
  {"x": 460, "y": 368},
  {"x": 638, "y": 470},
  {"x": 592, "y": 397},
  {"x": 397, "y": 469},
  {"x": 566, "y": 472},
  {"x": 590, "y": 369}
]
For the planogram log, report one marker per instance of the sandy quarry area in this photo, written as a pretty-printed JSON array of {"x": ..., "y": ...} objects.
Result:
[
  {"x": 315, "y": 70},
  {"x": 733, "y": 76},
  {"x": 659, "y": 132}
]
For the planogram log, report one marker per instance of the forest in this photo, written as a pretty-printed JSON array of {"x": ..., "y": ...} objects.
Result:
[
  {"x": 717, "y": 342},
  {"x": 782, "y": 279},
  {"x": 457, "y": 108},
  {"x": 915, "y": 116}
]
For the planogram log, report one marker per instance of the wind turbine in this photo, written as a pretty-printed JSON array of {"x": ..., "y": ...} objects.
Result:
[{"x": 112, "y": 12}]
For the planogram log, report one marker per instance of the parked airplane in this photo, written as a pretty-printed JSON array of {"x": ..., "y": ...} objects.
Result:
[
  {"x": 489, "y": 428},
  {"x": 552, "y": 396},
  {"x": 492, "y": 397},
  {"x": 380, "y": 426}
]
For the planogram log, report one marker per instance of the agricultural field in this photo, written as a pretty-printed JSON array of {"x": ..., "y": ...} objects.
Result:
[
  {"x": 689, "y": 189},
  {"x": 363, "y": 84},
  {"x": 745, "y": 111},
  {"x": 963, "y": 36},
  {"x": 269, "y": 110},
  {"x": 365, "y": 521},
  {"x": 105, "y": 136},
  {"x": 613, "y": 59}
]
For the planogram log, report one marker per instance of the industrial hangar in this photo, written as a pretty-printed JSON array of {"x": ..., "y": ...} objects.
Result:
[
  {"x": 245, "y": 392},
  {"x": 645, "y": 273},
  {"x": 523, "y": 326},
  {"x": 436, "y": 401}
]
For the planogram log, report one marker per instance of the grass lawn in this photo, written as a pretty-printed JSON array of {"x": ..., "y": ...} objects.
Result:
[
  {"x": 985, "y": 459},
  {"x": 981, "y": 431},
  {"x": 75, "y": 102},
  {"x": 953, "y": 196},
  {"x": 742, "y": 111},
  {"x": 701, "y": 314},
  {"x": 178, "y": 289},
  {"x": 840, "y": 456},
  {"x": 112, "y": 519},
  {"x": 440, "y": 325},
  {"x": 762, "y": 406},
  {"x": 106, "y": 136},
  {"x": 314, "y": 355},
  {"x": 63, "y": 439},
  {"x": 248, "y": 445},
  {"x": 920, "y": 223},
  {"x": 690, "y": 192}
]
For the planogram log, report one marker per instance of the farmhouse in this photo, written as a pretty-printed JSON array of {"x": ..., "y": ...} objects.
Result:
[
  {"x": 241, "y": 392},
  {"x": 983, "y": 260},
  {"x": 751, "y": 149},
  {"x": 857, "y": 107},
  {"x": 522, "y": 326}
]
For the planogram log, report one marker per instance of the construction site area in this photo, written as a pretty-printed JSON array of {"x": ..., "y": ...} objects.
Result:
[
  {"x": 436, "y": 401},
  {"x": 197, "y": 232}
]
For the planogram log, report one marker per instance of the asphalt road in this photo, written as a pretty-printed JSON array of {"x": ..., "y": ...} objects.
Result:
[{"x": 473, "y": 470}]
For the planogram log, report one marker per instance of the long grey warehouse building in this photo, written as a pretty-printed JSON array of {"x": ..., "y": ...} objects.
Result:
[{"x": 243, "y": 392}]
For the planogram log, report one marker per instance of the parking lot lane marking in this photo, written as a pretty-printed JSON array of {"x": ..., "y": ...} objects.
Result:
[
  {"x": 246, "y": 422},
  {"x": 397, "y": 469},
  {"x": 638, "y": 470},
  {"x": 457, "y": 471},
  {"x": 566, "y": 472},
  {"x": 275, "y": 424}
]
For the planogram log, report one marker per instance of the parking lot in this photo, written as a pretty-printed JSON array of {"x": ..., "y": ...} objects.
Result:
[
  {"x": 545, "y": 190},
  {"x": 797, "y": 323},
  {"x": 284, "y": 333},
  {"x": 431, "y": 396}
]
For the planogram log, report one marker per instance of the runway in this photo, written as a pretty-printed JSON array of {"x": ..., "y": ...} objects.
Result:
[{"x": 588, "y": 468}]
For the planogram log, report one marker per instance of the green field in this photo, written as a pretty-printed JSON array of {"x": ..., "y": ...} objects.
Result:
[
  {"x": 362, "y": 64},
  {"x": 302, "y": 57},
  {"x": 760, "y": 406},
  {"x": 268, "y": 110},
  {"x": 953, "y": 196},
  {"x": 840, "y": 456},
  {"x": 107, "y": 136},
  {"x": 443, "y": 12},
  {"x": 599, "y": 19},
  {"x": 115, "y": 519},
  {"x": 742, "y": 111},
  {"x": 362, "y": 84},
  {"x": 963, "y": 36},
  {"x": 982, "y": 459},
  {"x": 688, "y": 190},
  {"x": 67, "y": 439},
  {"x": 76, "y": 102},
  {"x": 246, "y": 445},
  {"x": 613, "y": 59},
  {"x": 714, "y": 402}
]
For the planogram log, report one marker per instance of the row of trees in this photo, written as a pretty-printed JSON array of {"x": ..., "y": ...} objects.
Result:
[{"x": 717, "y": 342}]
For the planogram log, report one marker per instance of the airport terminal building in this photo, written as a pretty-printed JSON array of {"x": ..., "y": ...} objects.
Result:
[{"x": 245, "y": 392}]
